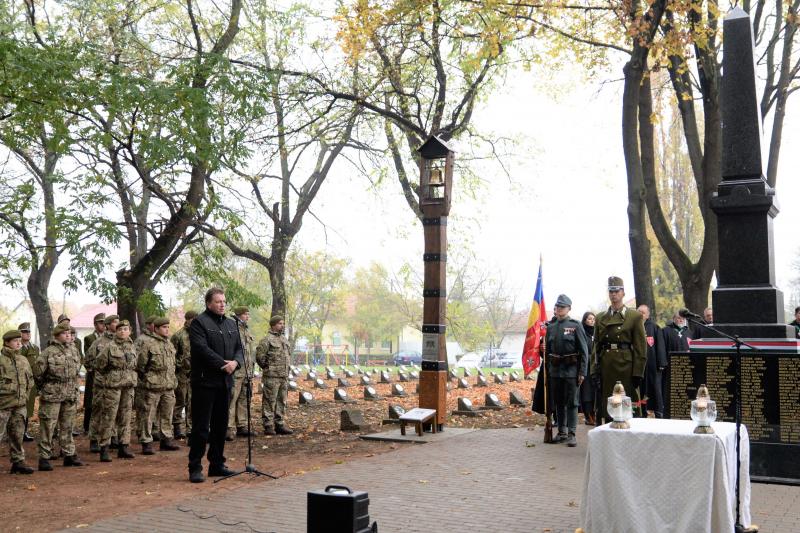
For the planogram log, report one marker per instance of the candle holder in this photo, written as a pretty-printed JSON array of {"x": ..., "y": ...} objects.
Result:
[
  {"x": 620, "y": 407},
  {"x": 704, "y": 411}
]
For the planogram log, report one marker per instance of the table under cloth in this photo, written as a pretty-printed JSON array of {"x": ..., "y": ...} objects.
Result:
[{"x": 660, "y": 476}]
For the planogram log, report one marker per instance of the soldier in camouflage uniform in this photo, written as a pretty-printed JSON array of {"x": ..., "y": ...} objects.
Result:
[
  {"x": 156, "y": 368},
  {"x": 273, "y": 357},
  {"x": 16, "y": 382},
  {"x": 56, "y": 373},
  {"x": 88, "y": 390},
  {"x": 114, "y": 381},
  {"x": 145, "y": 337},
  {"x": 183, "y": 367},
  {"x": 110, "y": 322},
  {"x": 237, "y": 415},
  {"x": 64, "y": 320},
  {"x": 30, "y": 352}
]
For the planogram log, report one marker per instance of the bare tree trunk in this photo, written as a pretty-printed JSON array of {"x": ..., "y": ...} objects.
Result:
[{"x": 38, "y": 282}]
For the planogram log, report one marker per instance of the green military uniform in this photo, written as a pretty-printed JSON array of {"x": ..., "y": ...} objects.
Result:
[
  {"x": 89, "y": 362},
  {"x": 145, "y": 338},
  {"x": 56, "y": 372},
  {"x": 155, "y": 400},
  {"x": 272, "y": 355},
  {"x": 183, "y": 367},
  {"x": 619, "y": 353},
  {"x": 114, "y": 381},
  {"x": 30, "y": 352},
  {"x": 88, "y": 387},
  {"x": 237, "y": 414},
  {"x": 16, "y": 382}
]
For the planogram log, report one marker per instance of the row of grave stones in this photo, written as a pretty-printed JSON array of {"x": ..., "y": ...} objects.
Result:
[
  {"x": 340, "y": 394},
  {"x": 491, "y": 403}
]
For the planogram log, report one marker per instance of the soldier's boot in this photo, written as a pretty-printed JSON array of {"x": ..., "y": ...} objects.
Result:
[
  {"x": 179, "y": 434},
  {"x": 124, "y": 453},
  {"x": 20, "y": 468},
  {"x": 147, "y": 448},
  {"x": 560, "y": 437},
  {"x": 73, "y": 460},
  {"x": 242, "y": 432},
  {"x": 157, "y": 435},
  {"x": 168, "y": 445},
  {"x": 94, "y": 447},
  {"x": 45, "y": 466},
  {"x": 230, "y": 435},
  {"x": 269, "y": 430},
  {"x": 571, "y": 440},
  {"x": 283, "y": 430},
  {"x": 105, "y": 457}
]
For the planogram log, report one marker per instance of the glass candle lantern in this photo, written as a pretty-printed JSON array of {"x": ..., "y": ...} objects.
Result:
[
  {"x": 620, "y": 407},
  {"x": 704, "y": 411}
]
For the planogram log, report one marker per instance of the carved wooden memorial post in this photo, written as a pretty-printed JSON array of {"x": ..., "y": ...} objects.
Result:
[{"x": 435, "y": 185}]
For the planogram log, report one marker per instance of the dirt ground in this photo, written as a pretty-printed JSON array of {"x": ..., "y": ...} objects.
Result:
[{"x": 75, "y": 497}]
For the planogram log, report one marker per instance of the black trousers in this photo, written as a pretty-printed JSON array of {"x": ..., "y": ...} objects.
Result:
[
  {"x": 209, "y": 425},
  {"x": 88, "y": 391}
]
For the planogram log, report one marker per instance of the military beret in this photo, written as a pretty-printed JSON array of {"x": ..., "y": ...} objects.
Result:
[
  {"x": 190, "y": 315},
  {"x": 99, "y": 317},
  {"x": 563, "y": 301},
  {"x": 274, "y": 320},
  {"x": 161, "y": 321},
  {"x": 239, "y": 311},
  {"x": 11, "y": 334},
  {"x": 25, "y": 326},
  {"x": 62, "y": 317},
  {"x": 109, "y": 319},
  {"x": 151, "y": 319},
  {"x": 58, "y": 330},
  {"x": 615, "y": 283},
  {"x": 125, "y": 323},
  {"x": 73, "y": 330}
]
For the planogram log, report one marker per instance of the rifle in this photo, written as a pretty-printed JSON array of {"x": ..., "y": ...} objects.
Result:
[{"x": 548, "y": 412}]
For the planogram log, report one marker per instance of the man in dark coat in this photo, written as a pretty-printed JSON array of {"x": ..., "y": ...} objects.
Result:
[
  {"x": 796, "y": 321},
  {"x": 656, "y": 362},
  {"x": 216, "y": 354},
  {"x": 677, "y": 335}
]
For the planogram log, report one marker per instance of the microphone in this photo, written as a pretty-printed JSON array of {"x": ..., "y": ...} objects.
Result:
[{"x": 685, "y": 313}]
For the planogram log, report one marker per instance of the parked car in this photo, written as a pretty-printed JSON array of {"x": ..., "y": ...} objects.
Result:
[
  {"x": 469, "y": 360},
  {"x": 406, "y": 358},
  {"x": 507, "y": 360}
]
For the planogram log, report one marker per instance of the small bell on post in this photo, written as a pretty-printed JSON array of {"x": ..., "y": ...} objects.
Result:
[
  {"x": 620, "y": 407},
  {"x": 704, "y": 411}
]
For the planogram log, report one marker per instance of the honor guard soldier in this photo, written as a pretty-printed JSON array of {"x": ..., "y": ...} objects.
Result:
[
  {"x": 237, "y": 415},
  {"x": 88, "y": 388},
  {"x": 30, "y": 352},
  {"x": 16, "y": 383},
  {"x": 620, "y": 348},
  {"x": 56, "y": 372},
  {"x": 273, "y": 357},
  {"x": 110, "y": 322},
  {"x": 114, "y": 381},
  {"x": 183, "y": 370},
  {"x": 567, "y": 360}
]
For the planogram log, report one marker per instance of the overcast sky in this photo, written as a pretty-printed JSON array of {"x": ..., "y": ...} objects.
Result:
[{"x": 566, "y": 198}]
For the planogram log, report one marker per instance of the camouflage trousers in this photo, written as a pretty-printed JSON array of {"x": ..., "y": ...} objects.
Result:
[
  {"x": 183, "y": 400},
  {"x": 154, "y": 408},
  {"x": 32, "y": 401},
  {"x": 237, "y": 414},
  {"x": 94, "y": 420},
  {"x": 273, "y": 401},
  {"x": 12, "y": 423},
  {"x": 114, "y": 411},
  {"x": 52, "y": 416}
]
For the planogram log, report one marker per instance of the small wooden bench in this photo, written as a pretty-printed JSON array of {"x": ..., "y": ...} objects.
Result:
[{"x": 418, "y": 417}]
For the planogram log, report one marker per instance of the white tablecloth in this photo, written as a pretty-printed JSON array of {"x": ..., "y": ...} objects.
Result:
[{"x": 660, "y": 476}]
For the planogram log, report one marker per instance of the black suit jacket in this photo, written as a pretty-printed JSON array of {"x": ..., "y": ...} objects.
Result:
[{"x": 215, "y": 341}]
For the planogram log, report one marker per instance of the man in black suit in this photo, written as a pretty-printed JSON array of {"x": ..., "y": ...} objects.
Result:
[{"x": 216, "y": 354}]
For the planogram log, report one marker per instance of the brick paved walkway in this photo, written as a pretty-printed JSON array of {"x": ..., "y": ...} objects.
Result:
[{"x": 483, "y": 481}]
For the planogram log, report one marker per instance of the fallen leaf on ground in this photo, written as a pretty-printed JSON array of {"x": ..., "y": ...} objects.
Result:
[
  {"x": 423, "y": 481},
  {"x": 31, "y": 487}
]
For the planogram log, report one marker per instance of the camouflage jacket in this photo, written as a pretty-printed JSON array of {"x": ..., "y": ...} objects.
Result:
[
  {"x": 56, "y": 373},
  {"x": 76, "y": 346},
  {"x": 16, "y": 379},
  {"x": 146, "y": 337},
  {"x": 273, "y": 355},
  {"x": 30, "y": 352},
  {"x": 91, "y": 353},
  {"x": 183, "y": 353},
  {"x": 155, "y": 364},
  {"x": 115, "y": 365},
  {"x": 248, "y": 351},
  {"x": 88, "y": 340}
]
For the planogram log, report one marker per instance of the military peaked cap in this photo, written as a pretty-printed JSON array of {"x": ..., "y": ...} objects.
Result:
[
  {"x": 125, "y": 323},
  {"x": 62, "y": 317},
  {"x": 109, "y": 319},
  {"x": 58, "y": 330},
  {"x": 563, "y": 301},
  {"x": 25, "y": 326},
  {"x": 99, "y": 317},
  {"x": 151, "y": 319},
  {"x": 615, "y": 283}
]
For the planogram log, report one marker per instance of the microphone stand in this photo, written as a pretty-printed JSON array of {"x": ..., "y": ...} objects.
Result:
[
  {"x": 738, "y": 343},
  {"x": 249, "y": 467}
]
